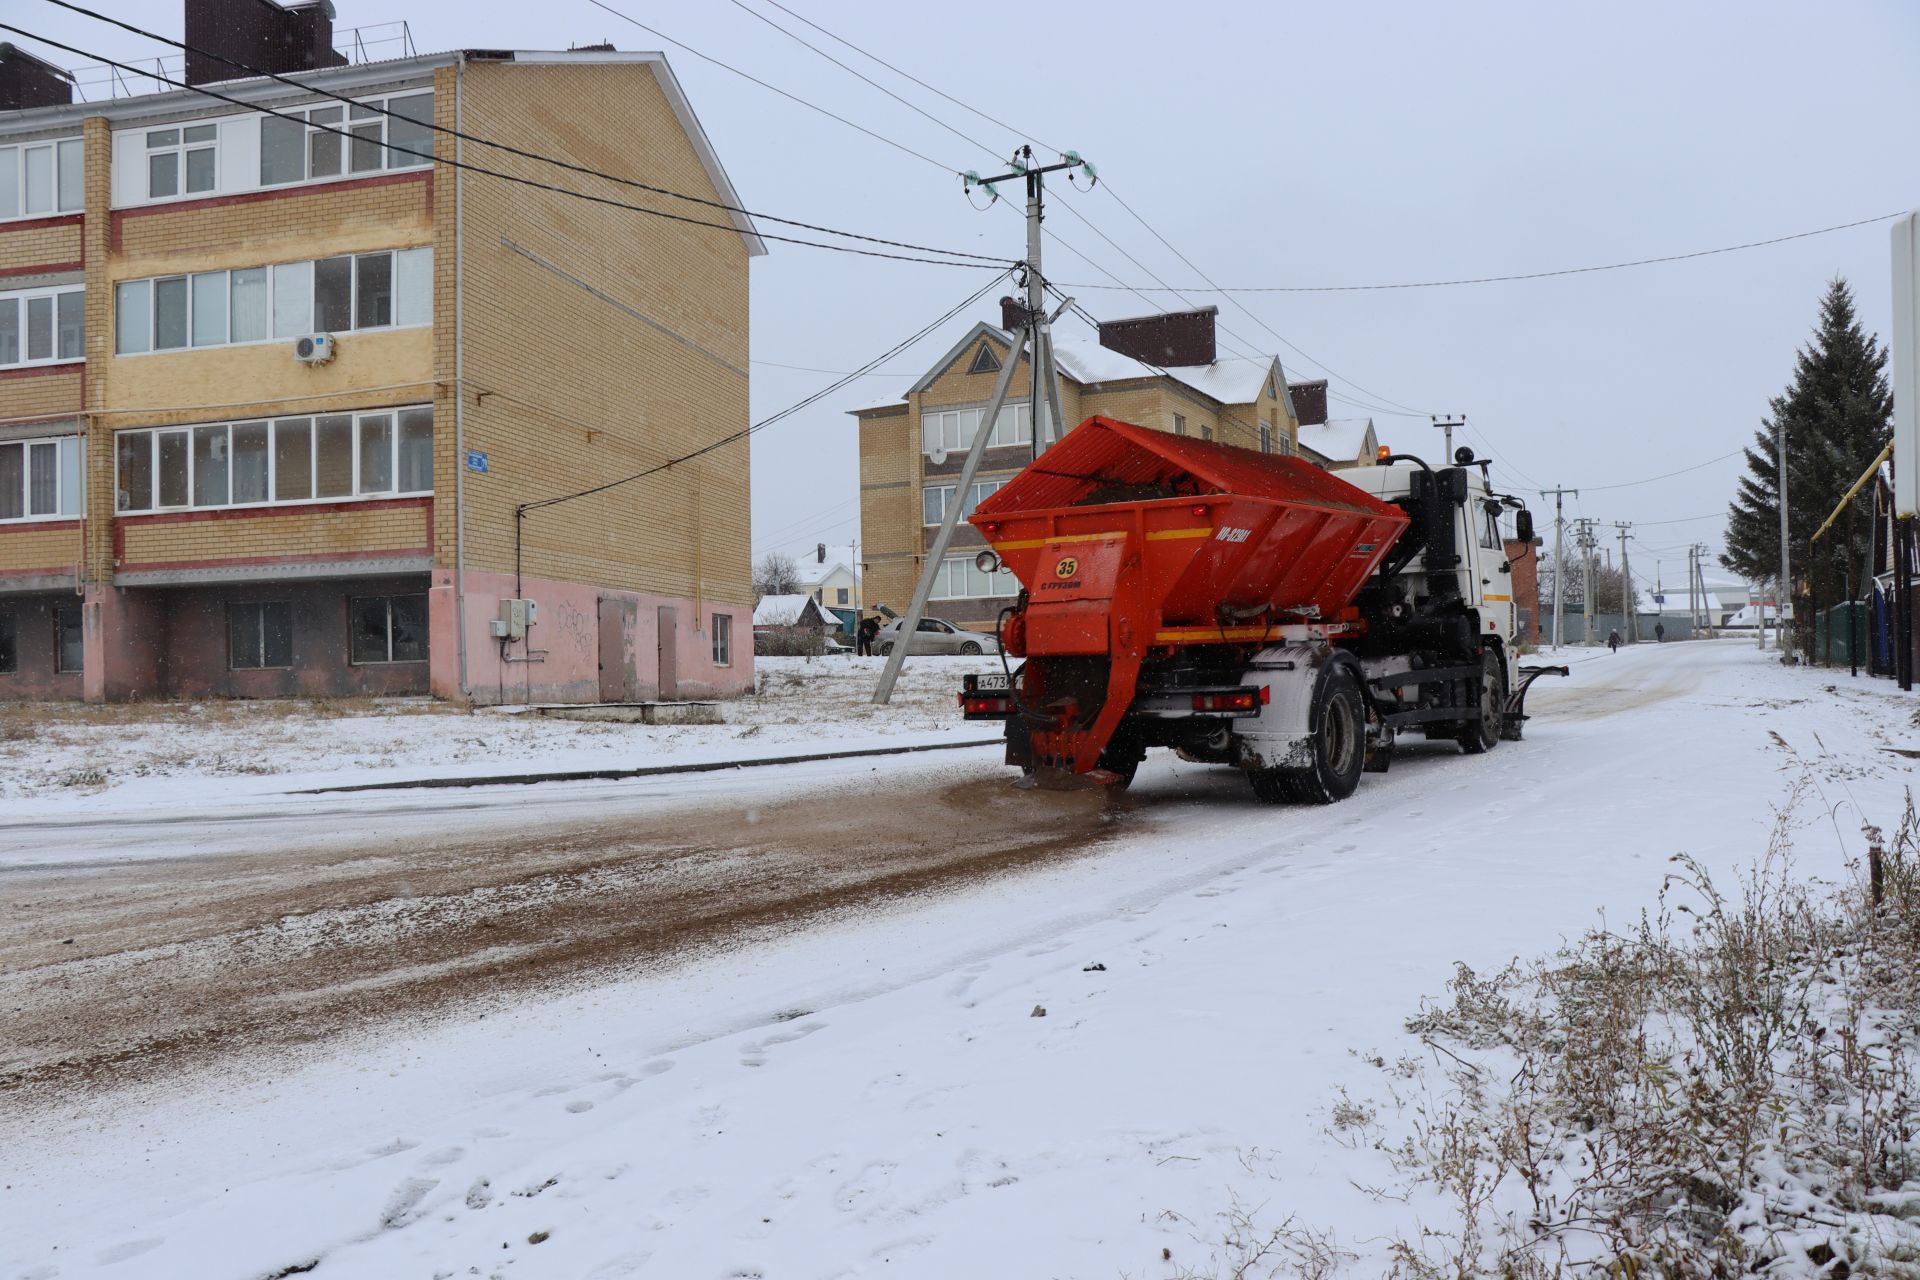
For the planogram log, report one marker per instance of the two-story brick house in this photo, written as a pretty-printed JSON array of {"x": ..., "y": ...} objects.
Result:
[
  {"x": 912, "y": 449},
  {"x": 272, "y": 398}
]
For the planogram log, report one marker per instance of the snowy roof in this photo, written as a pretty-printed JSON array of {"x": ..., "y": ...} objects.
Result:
[
  {"x": 827, "y": 570},
  {"x": 898, "y": 402},
  {"x": 785, "y": 611},
  {"x": 1231, "y": 381},
  {"x": 1676, "y": 601},
  {"x": 1342, "y": 440}
]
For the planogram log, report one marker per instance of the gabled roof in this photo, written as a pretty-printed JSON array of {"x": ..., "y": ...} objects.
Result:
[
  {"x": 789, "y": 610},
  {"x": 1343, "y": 439},
  {"x": 1085, "y": 361}
]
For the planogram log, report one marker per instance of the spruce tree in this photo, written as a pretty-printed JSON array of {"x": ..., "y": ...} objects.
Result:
[{"x": 1837, "y": 415}]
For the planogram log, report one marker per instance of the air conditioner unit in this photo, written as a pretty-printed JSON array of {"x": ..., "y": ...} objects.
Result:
[{"x": 315, "y": 348}]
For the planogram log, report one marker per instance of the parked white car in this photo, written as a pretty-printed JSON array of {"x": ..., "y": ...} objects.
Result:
[{"x": 935, "y": 636}]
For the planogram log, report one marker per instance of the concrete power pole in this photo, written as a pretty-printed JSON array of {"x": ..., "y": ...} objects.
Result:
[
  {"x": 1447, "y": 424},
  {"x": 1034, "y": 336},
  {"x": 1629, "y": 598},
  {"x": 1559, "y": 555},
  {"x": 1586, "y": 542}
]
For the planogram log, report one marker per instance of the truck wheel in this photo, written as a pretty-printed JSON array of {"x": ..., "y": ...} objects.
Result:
[
  {"x": 1478, "y": 736},
  {"x": 1338, "y": 747},
  {"x": 1122, "y": 760}
]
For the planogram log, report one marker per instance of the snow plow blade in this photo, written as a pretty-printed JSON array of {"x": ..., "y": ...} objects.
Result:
[
  {"x": 1514, "y": 720},
  {"x": 1129, "y": 540}
]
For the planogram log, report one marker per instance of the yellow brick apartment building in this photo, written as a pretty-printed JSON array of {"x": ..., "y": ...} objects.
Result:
[
  {"x": 912, "y": 449},
  {"x": 277, "y": 381}
]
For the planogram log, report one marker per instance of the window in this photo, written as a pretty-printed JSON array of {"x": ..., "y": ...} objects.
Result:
[
  {"x": 181, "y": 161},
  {"x": 722, "y": 639},
  {"x": 332, "y": 141},
  {"x": 840, "y": 595},
  {"x": 259, "y": 635},
  {"x": 388, "y": 629},
  {"x": 336, "y": 455},
  {"x": 43, "y": 326},
  {"x": 1266, "y": 436},
  {"x": 984, "y": 360},
  {"x": 9, "y": 642},
  {"x": 256, "y": 304},
  {"x": 41, "y": 178},
  {"x": 69, "y": 640},
  {"x": 952, "y": 430},
  {"x": 1179, "y": 424},
  {"x": 961, "y": 579},
  {"x": 934, "y": 499},
  {"x": 1206, "y": 433},
  {"x": 1490, "y": 528},
  {"x": 40, "y": 479}
]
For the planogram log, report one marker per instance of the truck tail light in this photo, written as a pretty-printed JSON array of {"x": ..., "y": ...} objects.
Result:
[
  {"x": 1236, "y": 700},
  {"x": 986, "y": 704}
]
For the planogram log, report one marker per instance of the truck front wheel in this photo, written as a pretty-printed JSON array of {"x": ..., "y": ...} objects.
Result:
[
  {"x": 1477, "y": 736},
  {"x": 1337, "y": 746}
]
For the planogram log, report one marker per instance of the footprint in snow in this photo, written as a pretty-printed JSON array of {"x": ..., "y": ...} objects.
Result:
[
  {"x": 754, "y": 1052},
  {"x": 393, "y": 1148},
  {"x": 579, "y": 1105},
  {"x": 128, "y": 1249},
  {"x": 446, "y": 1155},
  {"x": 403, "y": 1205},
  {"x": 480, "y": 1194}
]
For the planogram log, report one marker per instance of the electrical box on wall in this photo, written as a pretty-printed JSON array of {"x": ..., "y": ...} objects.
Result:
[{"x": 515, "y": 617}]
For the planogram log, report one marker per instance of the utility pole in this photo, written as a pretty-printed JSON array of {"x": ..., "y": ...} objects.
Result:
[
  {"x": 1559, "y": 556},
  {"x": 1034, "y": 336},
  {"x": 1447, "y": 424},
  {"x": 1629, "y": 598},
  {"x": 1586, "y": 542}
]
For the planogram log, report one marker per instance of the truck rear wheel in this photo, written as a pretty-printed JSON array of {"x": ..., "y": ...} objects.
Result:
[
  {"x": 1337, "y": 745},
  {"x": 1482, "y": 735}
]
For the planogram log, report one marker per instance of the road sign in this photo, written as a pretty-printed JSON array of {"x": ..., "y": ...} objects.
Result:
[
  {"x": 1906, "y": 365},
  {"x": 477, "y": 461}
]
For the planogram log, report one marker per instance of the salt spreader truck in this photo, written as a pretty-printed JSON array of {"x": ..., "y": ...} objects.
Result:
[{"x": 1247, "y": 609}]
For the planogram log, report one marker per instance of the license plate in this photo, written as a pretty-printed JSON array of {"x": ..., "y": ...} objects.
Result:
[{"x": 987, "y": 683}]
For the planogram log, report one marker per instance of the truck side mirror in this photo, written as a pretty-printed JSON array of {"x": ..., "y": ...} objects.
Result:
[{"x": 1523, "y": 525}]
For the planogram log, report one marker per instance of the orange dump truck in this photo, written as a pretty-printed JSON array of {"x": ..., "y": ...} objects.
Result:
[{"x": 1246, "y": 609}]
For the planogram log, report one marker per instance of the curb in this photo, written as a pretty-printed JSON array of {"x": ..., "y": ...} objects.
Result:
[{"x": 650, "y": 771}]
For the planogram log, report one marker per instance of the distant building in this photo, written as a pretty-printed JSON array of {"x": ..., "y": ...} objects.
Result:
[
  {"x": 1344, "y": 442},
  {"x": 795, "y": 612},
  {"x": 271, "y": 397},
  {"x": 1523, "y": 560}
]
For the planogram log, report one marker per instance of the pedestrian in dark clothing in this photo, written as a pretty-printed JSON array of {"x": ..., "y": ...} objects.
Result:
[
  {"x": 1659, "y": 633},
  {"x": 1613, "y": 641},
  {"x": 868, "y": 629}
]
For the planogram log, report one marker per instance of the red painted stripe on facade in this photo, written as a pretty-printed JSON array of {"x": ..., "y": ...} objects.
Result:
[
  {"x": 46, "y": 370},
  {"x": 318, "y": 557},
  {"x": 44, "y": 268},
  {"x": 42, "y": 526},
  {"x": 35, "y": 224},
  {"x": 271, "y": 193}
]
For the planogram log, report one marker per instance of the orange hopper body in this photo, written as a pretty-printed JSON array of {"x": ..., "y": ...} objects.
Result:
[{"x": 1129, "y": 540}]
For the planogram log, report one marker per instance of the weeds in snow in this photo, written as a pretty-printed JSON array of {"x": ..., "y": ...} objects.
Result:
[{"x": 1726, "y": 1088}]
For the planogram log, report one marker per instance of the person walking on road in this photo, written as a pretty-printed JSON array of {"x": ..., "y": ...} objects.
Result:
[
  {"x": 1613, "y": 641},
  {"x": 1659, "y": 633}
]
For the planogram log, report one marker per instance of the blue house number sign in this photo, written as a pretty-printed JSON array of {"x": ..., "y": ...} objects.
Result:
[{"x": 476, "y": 461}]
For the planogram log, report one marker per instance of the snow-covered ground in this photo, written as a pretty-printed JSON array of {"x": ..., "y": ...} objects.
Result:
[
  {"x": 1095, "y": 1069},
  {"x": 65, "y": 756}
]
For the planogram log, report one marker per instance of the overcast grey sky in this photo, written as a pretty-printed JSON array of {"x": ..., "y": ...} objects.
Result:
[{"x": 1286, "y": 144}]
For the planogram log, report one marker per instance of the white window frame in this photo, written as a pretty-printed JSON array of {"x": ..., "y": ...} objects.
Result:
[
  {"x": 19, "y": 298},
  {"x": 273, "y": 270},
  {"x": 951, "y": 430},
  {"x": 978, "y": 492},
  {"x": 722, "y": 639},
  {"x": 64, "y": 446},
  {"x": 152, "y": 435},
  {"x": 64, "y": 152},
  {"x": 178, "y": 149},
  {"x": 963, "y": 570},
  {"x": 390, "y": 160},
  {"x": 1266, "y": 436}
]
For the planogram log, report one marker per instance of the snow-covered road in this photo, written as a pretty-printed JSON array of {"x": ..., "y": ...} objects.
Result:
[{"x": 878, "y": 1095}]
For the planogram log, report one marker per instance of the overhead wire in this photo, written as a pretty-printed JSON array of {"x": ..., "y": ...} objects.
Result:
[
  {"x": 510, "y": 149},
  {"x": 1533, "y": 275},
  {"x": 997, "y": 264}
]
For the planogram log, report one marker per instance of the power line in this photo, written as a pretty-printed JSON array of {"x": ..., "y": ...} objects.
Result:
[
  {"x": 1528, "y": 275},
  {"x": 997, "y": 264},
  {"x": 1667, "y": 475},
  {"x": 585, "y": 170},
  {"x": 811, "y": 106}
]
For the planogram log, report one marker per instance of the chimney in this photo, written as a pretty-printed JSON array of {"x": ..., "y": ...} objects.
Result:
[
  {"x": 1309, "y": 401},
  {"x": 280, "y": 38},
  {"x": 27, "y": 81},
  {"x": 1180, "y": 339}
]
